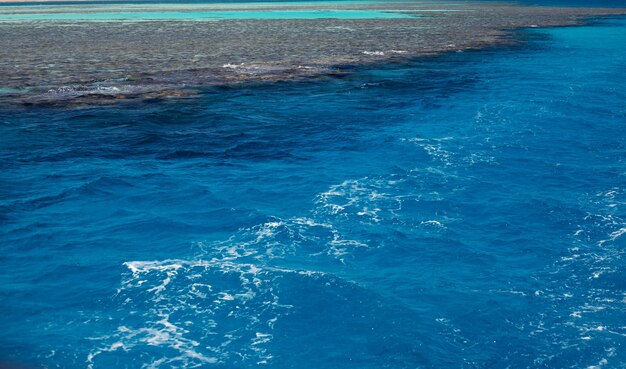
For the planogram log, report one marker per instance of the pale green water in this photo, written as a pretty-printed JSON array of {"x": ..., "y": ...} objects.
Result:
[
  {"x": 6, "y": 90},
  {"x": 209, "y": 15}
]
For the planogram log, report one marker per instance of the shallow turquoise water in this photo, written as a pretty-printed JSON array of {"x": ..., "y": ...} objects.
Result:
[
  {"x": 463, "y": 211},
  {"x": 5, "y": 90},
  {"x": 580, "y": 3},
  {"x": 209, "y": 15}
]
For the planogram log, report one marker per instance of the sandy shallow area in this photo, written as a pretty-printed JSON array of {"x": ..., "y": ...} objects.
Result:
[{"x": 52, "y": 61}]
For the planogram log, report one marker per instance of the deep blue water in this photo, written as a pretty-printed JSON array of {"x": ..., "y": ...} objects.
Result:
[{"x": 463, "y": 211}]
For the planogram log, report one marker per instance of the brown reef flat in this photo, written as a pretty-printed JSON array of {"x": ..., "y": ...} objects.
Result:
[{"x": 49, "y": 61}]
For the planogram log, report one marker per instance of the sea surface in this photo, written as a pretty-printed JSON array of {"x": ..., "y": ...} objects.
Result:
[{"x": 464, "y": 211}]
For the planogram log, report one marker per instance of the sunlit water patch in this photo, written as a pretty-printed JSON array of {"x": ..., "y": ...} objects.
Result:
[{"x": 460, "y": 211}]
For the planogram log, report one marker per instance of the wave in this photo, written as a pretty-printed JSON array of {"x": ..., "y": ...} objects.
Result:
[
  {"x": 587, "y": 296},
  {"x": 222, "y": 306}
]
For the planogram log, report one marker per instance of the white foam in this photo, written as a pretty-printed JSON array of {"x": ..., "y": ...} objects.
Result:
[
  {"x": 620, "y": 232},
  {"x": 600, "y": 364},
  {"x": 434, "y": 223},
  {"x": 374, "y": 53},
  {"x": 233, "y": 66}
]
